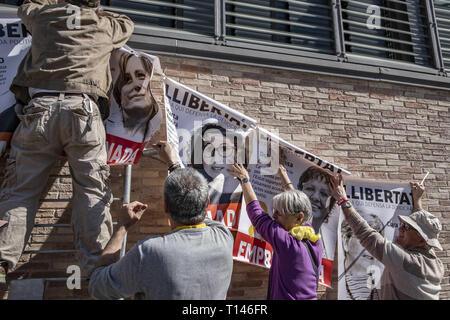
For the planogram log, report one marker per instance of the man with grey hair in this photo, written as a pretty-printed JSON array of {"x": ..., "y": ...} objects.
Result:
[
  {"x": 412, "y": 271},
  {"x": 62, "y": 88},
  {"x": 193, "y": 261}
]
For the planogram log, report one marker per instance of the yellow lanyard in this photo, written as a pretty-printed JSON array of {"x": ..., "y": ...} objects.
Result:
[{"x": 201, "y": 225}]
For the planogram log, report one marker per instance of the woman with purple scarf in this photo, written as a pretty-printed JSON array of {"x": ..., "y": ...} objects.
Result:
[{"x": 297, "y": 249}]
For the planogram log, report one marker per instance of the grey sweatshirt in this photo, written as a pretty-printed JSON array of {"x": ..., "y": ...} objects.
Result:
[
  {"x": 408, "y": 274},
  {"x": 186, "y": 264}
]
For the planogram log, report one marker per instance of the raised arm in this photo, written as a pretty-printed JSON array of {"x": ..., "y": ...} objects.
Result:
[
  {"x": 271, "y": 231},
  {"x": 238, "y": 171},
  {"x": 285, "y": 181},
  {"x": 380, "y": 248},
  {"x": 121, "y": 27},
  {"x": 30, "y": 8},
  {"x": 369, "y": 238},
  {"x": 115, "y": 277}
]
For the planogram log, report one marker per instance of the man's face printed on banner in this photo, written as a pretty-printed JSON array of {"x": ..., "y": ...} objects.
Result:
[{"x": 362, "y": 270}]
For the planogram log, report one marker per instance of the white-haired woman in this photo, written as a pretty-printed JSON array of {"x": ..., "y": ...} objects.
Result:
[{"x": 297, "y": 249}]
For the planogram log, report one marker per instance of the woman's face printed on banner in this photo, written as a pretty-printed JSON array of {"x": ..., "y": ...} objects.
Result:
[
  {"x": 318, "y": 194},
  {"x": 132, "y": 90},
  {"x": 135, "y": 93}
]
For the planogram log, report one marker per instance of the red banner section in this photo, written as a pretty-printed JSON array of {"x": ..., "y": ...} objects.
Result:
[
  {"x": 325, "y": 272},
  {"x": 227, "y": 213},
  {"x": 251, "y": 250},
  {"x": 122, "y": 151}
]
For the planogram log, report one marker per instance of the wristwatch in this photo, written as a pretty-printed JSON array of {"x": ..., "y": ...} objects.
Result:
[
  {"x": 244, "y": 180},
  {"x": 347, "y": 204}
]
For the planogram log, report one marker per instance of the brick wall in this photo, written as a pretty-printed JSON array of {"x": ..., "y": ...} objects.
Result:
[{"x": 374, "y": 129}]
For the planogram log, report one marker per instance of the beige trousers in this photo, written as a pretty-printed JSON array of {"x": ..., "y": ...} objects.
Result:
[{"x": 50, "y": 125}]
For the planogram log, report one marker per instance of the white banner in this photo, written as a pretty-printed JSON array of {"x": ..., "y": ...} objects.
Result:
[
  {"x": 14, "y": 44},
  {"x": 379, "y": 203},
  {"x": 135, "y": 115},
  {"x": 208, "y": 136}
]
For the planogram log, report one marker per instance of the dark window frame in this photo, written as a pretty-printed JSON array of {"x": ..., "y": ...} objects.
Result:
[
  {"x": 443, "y": 33},
  {"x": 218, "y": 48}
]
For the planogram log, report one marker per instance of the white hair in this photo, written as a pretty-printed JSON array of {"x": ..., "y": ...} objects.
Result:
[{"x": 292, "y": 202}]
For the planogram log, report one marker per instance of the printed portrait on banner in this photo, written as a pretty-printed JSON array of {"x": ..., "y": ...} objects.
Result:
[
  {"x": 135, "y": 115},
  {"x": 379, "y": 203},
  {"x": 208, "y": 137},
  {"x": 225, "y": 192}
]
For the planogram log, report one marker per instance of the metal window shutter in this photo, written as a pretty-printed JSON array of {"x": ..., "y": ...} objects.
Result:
[
  {"x": 301, "y": 25},
  {"x": 186, "y": 15},
  {"x": 442, "y": 9},
  {"x": 401, "y": 33}
]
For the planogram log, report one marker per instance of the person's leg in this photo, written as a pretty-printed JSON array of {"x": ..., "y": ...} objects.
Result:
[
  {"x": 86, "y": 152},
  {"x": 28, "y": 166}
]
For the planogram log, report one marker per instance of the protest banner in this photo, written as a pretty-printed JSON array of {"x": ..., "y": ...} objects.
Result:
[
  {"x": 208, "y": 136},
  {"x": 307, "y": 173},
  {"x": 135, "y": 115},
  {"x": 14, "y": 44},
  {"x": 379, "y": 203}
]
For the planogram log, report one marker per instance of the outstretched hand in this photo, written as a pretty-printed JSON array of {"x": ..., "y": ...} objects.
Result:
[
  {"x": 281, "y": 170},
  {"x": 238, "y": 171},
  {"x": 336, "y": 187},
  {"x": 131, "y": 213},
  {"x": 417, "y": 190},
  {"x": 285, "y": 181}
]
